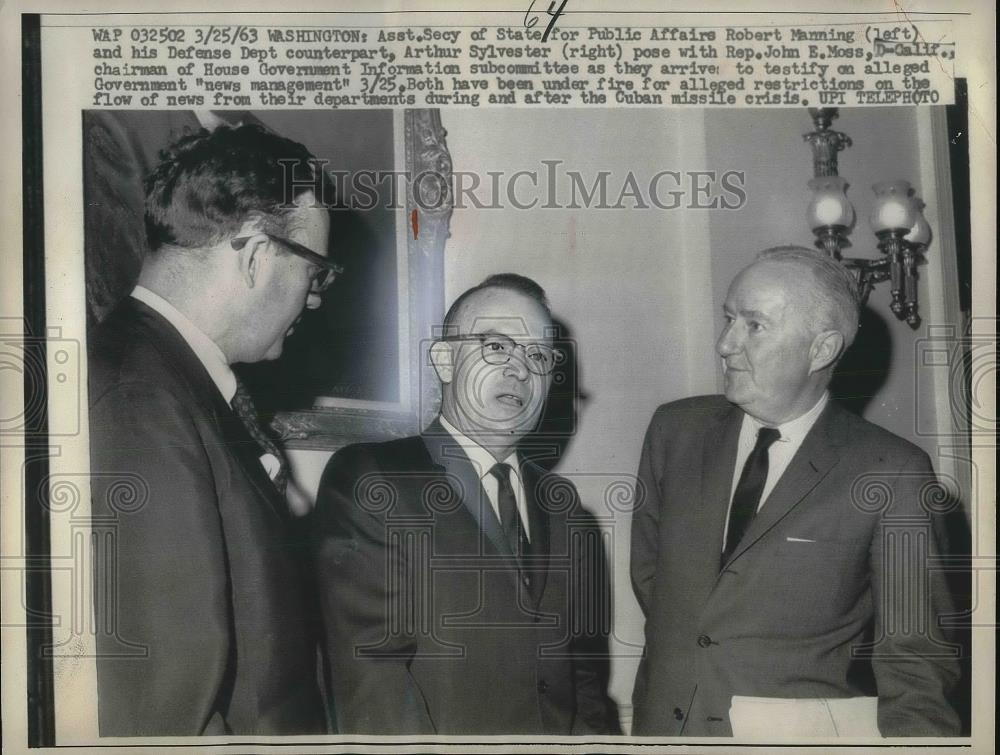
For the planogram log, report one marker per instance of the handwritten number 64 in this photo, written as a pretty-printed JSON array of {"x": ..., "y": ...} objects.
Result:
[{"x": 530, "y": 21}]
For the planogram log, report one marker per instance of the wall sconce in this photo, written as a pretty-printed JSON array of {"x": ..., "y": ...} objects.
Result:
[
  {"x": 900, "y": 228},
  {"x": 830, "y": 213}
]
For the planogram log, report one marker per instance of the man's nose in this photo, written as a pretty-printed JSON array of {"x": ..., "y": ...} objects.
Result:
[
  {"x": 516, "y": 365},
  {"x": 728, "y": 342}
]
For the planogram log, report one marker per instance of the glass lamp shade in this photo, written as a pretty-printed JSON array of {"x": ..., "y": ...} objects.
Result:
[
  {"x": 894, "y": 209},
  {"x": 830, "y": 205},
  {"x": 920, "y": 233}
]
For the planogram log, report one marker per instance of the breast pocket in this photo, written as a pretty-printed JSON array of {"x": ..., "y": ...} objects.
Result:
[
  {"x": 819, "y": 581},
  {"x": 810, "y": 550}
]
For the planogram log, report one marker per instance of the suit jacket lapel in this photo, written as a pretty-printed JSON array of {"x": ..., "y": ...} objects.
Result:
[
  {"x": 203, "y": 388},
  {"x": 814, "y": 459},
  {"x": 464, "y": 480},
  {"x": 247, "y": 452},
  {"x": 539, "y": 529},
  {"x": 718, "y": 461}
]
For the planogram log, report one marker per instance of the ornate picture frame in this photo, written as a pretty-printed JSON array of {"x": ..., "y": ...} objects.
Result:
[{"x": 422, "y": 230}]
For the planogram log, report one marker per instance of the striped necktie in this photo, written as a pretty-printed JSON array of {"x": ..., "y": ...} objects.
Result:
[{"x": 243, "y": 406}]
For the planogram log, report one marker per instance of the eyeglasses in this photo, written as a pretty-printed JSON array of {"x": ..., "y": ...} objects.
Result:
[
  {"x": 498, "y": 349},
  {"x": 327, "y": 273}
]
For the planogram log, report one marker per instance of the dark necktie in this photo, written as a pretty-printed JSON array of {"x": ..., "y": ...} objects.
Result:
[
  {"x": 510, "y": 520},
  {"x": 748, "y": 490},
  {"x": 243, "y": 406}
]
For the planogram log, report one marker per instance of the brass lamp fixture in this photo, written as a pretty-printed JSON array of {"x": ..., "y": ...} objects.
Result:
[{"x": 897, "y": 221}]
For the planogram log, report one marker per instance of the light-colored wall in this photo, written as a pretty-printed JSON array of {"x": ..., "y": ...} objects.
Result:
[{"x": 641, "y": 290}]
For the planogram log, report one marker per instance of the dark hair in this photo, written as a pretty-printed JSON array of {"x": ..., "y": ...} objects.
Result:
[
  {"x": 208, "y": 184},
  {"x": 506, "y": 281}
]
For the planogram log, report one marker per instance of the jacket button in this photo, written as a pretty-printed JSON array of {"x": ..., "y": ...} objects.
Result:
[
  {"x": 704, "y": 641},
  {"x": 543, "y": 686},
  {"x": 678, "y": 714}
]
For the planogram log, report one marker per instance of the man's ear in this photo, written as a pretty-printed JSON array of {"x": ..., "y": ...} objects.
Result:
[
  {"x": 443, "y": 361},
  {"x": 825, "y": 350},
  {"x": 251, "y": 257}
]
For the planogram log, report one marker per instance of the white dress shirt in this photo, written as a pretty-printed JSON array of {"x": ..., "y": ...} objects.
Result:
[
  {"x": 483, "y": 461},
  {"x": 779, "y": 455}
]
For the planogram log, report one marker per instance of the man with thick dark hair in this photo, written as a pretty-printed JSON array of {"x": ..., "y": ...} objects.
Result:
[
  {"x": 462, "y": 587},
  {"x": 783, "y": 548},
  {"x": 205, "y": 625}
]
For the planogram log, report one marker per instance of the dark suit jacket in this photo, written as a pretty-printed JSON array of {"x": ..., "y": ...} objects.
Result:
[
  {"x": 428, "y": 627},
  {"x": 207, "y": 628},
  {"x": 835, "y": 558}
]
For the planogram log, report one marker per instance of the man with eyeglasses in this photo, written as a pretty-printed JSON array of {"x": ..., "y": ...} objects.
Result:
[
  {"x": 206, "y": 627},
  {"x": 460, "y": 584}
]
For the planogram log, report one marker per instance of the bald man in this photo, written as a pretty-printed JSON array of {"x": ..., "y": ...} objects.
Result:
[{"x": 459, "y": 581}]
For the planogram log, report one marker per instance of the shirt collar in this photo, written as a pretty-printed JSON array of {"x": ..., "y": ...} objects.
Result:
[
  {"x": 207, "y": 351},
  {"x": 795, "y": 430},
  {"x": 482, "y": 459}
]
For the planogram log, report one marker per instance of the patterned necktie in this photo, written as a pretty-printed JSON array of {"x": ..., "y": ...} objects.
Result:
[
  {"x": 748, "y": 490},
  {"x": 243, "y": 406},
  {"x": 510, "y": 520}
]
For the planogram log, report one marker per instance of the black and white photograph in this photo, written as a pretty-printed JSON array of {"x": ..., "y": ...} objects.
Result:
[{"x": 421, "y": 418}]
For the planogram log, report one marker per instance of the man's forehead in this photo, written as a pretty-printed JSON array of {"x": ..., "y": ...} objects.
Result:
[
  {"x": 498, "y": 310},
  {"x": 763, "y": 285}
]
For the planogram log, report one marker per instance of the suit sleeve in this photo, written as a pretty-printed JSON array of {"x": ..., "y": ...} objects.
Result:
[
  {"x": 160, "y": 573},
  {"x": 596, "y": 713},
  {"x": 367, "y": 648},
  {"x": 914, "y": 665},
  {"x": 646, "y": 519}
]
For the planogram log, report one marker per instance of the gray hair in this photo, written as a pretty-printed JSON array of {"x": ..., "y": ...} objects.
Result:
[{"x": 832, "y": 299}]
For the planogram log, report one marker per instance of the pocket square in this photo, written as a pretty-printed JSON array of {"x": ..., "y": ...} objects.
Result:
[
  {"x": 799, "y": 540},
  {"x": 271, "y": 464}
]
